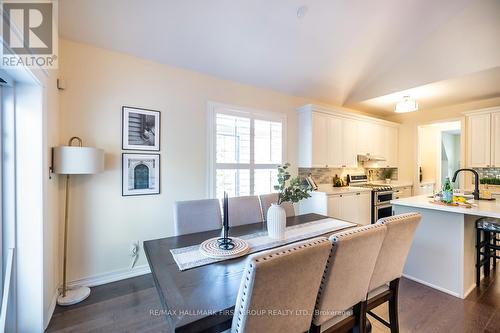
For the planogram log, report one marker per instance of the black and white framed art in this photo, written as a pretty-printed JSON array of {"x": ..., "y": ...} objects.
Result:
[{"x": 140, "y": 129}]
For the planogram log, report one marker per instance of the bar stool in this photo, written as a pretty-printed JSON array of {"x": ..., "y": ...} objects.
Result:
[{"x": 487, "y": 231}]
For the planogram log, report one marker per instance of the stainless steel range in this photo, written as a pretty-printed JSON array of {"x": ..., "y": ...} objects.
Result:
[{"x": 382, "y": 194}]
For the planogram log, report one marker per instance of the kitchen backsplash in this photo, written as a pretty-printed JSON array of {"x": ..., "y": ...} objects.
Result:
[
  {"x": 325, "y": 175},
  {"x": 488, "y": 172}
]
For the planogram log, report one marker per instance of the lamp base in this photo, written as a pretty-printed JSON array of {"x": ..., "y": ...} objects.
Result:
[{"x": 73, "y": 296}]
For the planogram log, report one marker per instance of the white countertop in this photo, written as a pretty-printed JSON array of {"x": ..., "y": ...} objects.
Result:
[
  {"x": 328, "y": 189},
  {"x": 479, "y": 208}
]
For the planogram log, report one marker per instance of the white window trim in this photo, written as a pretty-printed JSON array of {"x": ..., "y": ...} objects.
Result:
[{"x": 215, "y": 107}]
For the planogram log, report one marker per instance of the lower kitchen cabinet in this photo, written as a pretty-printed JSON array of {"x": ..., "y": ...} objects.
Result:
[{"x": 353, "y": 207}]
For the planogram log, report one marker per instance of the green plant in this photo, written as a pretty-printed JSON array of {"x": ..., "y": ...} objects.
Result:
[
  {"x": 294, "y": 191},
  {"x": 387, "y": 173},
  {"x": 490, "y": 181}
]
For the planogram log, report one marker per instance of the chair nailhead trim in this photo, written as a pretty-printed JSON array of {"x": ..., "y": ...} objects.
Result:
[{"x": 270, "y": 256}]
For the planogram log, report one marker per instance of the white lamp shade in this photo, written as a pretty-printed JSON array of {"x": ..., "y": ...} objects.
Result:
[{"x": 72, "y": 160}]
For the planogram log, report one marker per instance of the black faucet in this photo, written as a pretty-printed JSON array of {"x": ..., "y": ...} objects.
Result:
[{"x": 476, "y": 181}]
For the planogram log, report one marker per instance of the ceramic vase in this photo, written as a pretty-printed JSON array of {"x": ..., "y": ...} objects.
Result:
[{"x": 276, "y": 222}]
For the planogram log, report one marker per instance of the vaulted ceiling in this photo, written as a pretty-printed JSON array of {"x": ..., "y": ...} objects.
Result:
[{"x": 339, "y": 52}]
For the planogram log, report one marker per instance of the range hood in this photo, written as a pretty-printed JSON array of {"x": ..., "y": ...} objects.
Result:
[{"x": 370, "y": 158}]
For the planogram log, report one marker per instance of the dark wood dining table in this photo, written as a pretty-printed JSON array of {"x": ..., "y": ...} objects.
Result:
[{"x": 201, "y": 299}]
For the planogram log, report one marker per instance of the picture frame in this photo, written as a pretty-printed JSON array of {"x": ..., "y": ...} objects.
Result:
[
  {"x": 140, "y": 174},
  {"x": 141, "y": 129}
]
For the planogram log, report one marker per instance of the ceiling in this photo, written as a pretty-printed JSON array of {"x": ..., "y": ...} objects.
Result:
[{"x": 340, "y": 52}]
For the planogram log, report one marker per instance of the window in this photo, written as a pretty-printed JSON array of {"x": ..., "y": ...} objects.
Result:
[{"x": 246, "y": 146}]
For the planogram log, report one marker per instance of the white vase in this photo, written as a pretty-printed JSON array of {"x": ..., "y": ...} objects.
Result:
[{"x": 276, "y": 222}]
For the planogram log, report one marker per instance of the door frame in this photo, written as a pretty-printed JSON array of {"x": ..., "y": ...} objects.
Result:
[{"x": 465, "y": 180}]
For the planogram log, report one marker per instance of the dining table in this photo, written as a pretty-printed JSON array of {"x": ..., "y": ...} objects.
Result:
[{"x": 201, "y": 299}]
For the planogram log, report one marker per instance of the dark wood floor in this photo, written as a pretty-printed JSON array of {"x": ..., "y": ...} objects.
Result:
[{"x": 129, "y": 305}]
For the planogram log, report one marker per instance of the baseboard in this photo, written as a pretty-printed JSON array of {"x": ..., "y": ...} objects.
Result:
[
  {"x": 449, "y": 292},
  {"x": 51, "y": 309},
  {"x": 109, "y": 277}
]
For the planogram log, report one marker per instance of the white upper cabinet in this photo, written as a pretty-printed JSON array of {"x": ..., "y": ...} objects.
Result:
[
  {"x": 479, "y": 140},
  {"x": 349, "y": 143},
  {"x": 495, "y": 142},
  {"x": 320, "y": 126},
  {"x": 391, "y": 146},
  {"x": 365, "y": 138},
  {"x": 331, "y": 139}
]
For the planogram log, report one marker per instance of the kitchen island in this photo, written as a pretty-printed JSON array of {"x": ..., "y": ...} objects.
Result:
[{"x": 442, "y": 255}]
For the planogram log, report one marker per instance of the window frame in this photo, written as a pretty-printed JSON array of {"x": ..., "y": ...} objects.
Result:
[{"x": 213, "y": 109}]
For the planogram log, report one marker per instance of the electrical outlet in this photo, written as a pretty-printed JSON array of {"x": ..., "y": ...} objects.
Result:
[
  {"x": 134, "y": 249},
  {"x": 134, "y": 253}
]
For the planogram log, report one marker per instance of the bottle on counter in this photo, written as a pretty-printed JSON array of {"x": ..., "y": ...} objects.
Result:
[
  {"x": 337, "y": 182},
  {"x": 447, "y": 193}
]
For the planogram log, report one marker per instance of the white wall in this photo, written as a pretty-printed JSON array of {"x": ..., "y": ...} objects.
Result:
[{"x": 104, "y": 224}]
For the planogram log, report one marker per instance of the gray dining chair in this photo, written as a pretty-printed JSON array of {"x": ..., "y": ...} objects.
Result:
[
  {"x": 244, "y": 210},
  {"x": 341, "y": 301},
  {"x": 282, "y": 279},
  {"x": 196, "y": 216},
  {"x": 267, "y": 199},
  {"x": 384, "y": 283}
]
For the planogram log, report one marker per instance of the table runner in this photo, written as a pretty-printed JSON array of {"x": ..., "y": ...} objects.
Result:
[{"x": 191, "y": 257}]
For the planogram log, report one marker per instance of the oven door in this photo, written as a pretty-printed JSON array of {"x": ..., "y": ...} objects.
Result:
[
  {"x": 382, "y": 211},
  {"x": 382, "y": 198}
]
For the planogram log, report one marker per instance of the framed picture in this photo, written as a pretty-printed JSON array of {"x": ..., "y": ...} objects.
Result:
[
  {"x": 140, "y": 129},
  {"x": 140, "y": 174}
]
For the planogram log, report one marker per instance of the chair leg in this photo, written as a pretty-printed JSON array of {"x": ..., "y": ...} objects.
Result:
[
  {"x": 360, "y": 310},
  {"x": 487, "y": 252},
  {"x": 315, "y": 329},
  {"x": 478, "y": 257},
  {"x": 494, "y": 257},
  {"x": 393, "y": 306}
]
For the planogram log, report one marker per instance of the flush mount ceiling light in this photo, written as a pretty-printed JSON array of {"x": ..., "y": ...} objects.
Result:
[{"x": 406, "y": 105}]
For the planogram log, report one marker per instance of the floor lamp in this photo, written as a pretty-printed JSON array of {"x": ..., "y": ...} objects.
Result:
[{"x": 74, "y": 160}]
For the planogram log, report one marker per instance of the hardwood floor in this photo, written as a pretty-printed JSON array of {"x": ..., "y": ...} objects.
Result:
[{"x": 129, "y": 305}]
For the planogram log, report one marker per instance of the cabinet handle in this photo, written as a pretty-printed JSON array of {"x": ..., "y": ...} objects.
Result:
[
  {"x": 341, "y": 195},
  {"x": 358, "y": 193},
  {"x": 343, "y": 166}
]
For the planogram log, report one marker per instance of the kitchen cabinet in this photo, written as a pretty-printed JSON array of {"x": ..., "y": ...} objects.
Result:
[
  {"x": 365, "y": 134},
  {"x": 349, "y": 142},
  {"x": 391, "y": 146},
  {"x": 352, "y": 207},
  {"x": 320, "y": 150},
  {"x": 479, "y": 140},
  {"x": 403, "y": 192},
  {"x": 483, "y": 138},
  {"x": 495, "y": 142},
  {"x": 333, "y": 139}
]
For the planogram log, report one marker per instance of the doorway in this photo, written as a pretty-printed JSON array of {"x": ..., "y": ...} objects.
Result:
[{"x": 440, "y": 154}]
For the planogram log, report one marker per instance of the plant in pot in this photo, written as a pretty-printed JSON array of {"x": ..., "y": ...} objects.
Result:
[
  {"x": 289, "y": 190},
  {"x": 387, "y": 174}
]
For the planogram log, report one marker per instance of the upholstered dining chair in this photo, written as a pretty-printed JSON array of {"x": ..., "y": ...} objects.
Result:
[
  {"x": 384, "y": 283},
  {"x": 267, "y": 199},
  {"x": 284, "y": 280},
  {"x": 244, "y": 210},
  {"x": 341, "y": 300},
  {"x": 196, "y": 216}
]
